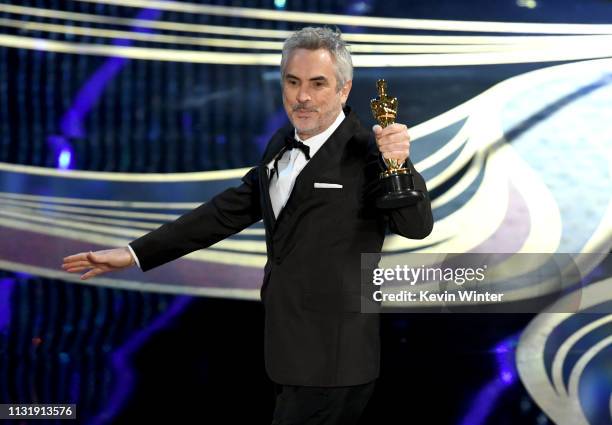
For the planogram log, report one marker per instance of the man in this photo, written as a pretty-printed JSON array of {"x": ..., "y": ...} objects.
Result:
[{"x": 313, "y": 189}]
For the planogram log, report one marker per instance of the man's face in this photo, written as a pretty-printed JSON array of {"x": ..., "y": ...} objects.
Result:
[{"x": 310, "y": 95}]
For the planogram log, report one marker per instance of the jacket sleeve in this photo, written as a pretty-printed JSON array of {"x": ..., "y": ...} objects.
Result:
[
  {"x": 224, "y": 215},
  {"x": 415, "y": 221}
]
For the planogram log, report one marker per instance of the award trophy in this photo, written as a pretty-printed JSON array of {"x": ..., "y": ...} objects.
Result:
[{"x": 396, "y": 183}]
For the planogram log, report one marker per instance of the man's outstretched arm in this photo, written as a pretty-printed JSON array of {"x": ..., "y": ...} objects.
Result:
[{"x": 224, "y": 215}]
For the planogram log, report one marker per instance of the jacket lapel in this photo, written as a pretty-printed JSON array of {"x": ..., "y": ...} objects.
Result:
[
  {"x": 328, "y": 155},
  {"x": 274, "y": 147}
]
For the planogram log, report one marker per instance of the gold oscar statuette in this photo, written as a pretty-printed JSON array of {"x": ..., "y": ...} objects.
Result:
[{"x": 397, "y": 184}]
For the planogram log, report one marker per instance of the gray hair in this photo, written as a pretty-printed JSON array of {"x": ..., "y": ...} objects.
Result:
[{"x": 313, "y": 38}]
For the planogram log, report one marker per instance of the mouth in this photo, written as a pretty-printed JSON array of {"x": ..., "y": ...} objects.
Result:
[{"x": 304, "y": 113}]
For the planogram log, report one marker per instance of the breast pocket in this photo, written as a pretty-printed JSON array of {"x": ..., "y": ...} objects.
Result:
[{"x": 328, "y": 190}]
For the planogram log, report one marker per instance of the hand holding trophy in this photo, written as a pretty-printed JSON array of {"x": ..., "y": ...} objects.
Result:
[{"x": 397, "y": 184}]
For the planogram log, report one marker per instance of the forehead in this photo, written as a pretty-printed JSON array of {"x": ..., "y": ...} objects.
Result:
[{"x": 307, "y": 64}]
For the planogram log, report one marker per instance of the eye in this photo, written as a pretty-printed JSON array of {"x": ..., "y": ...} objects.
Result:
[{"x": 292, "y": 82}]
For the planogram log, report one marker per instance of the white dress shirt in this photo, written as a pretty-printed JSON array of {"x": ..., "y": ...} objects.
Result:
[
  {"x": 289, "y": 167},
  {"x": 291, "y": 164}
]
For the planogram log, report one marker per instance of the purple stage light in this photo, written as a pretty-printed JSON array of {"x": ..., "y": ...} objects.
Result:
[
  {"x": 504, "y": 353},
  {"x": 489, "y": 394},
  {"x": 72, "y": 121},
  {"x": 6, "y": 289},
  {"x": 507, "y": 377}
]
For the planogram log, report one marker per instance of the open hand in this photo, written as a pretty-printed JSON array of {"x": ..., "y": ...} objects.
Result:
[{"x": 98, "y": 262}]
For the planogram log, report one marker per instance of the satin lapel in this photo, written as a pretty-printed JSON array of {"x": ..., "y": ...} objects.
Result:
[
  {"x": 274, "y": 148},
  {"x": 266, "y": 204}
]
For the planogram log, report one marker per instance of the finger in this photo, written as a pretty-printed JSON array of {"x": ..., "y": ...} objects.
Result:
[
  {"x": 394, "y": 128},
  {"x": 77, "y": 264},
  {"x": 377, "y": 129},
  {"x": 75, "y": 257},
  {"x": 92, "y": 273},
  {"x": 397, "y": 136},
  {"x": 393, "y": 138},
  {"x": 77, "y": 269},
  {"x": 394, "y": 147}
]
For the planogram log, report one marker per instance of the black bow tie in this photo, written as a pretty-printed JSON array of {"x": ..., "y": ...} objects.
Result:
[{"x": 290, "y": 143}]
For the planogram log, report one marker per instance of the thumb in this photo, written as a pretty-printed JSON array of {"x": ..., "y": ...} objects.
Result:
[
  {"x": 94, "y": 258},
  {"x": 377, "y": 129}
]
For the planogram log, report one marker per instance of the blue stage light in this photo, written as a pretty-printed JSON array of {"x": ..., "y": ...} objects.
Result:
[{"x": 64, "y": 159}]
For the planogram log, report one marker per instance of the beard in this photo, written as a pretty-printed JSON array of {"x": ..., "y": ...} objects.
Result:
[{"x": 321, "y": 118}]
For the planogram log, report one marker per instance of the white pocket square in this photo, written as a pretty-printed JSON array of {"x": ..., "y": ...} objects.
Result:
[{"x": 318, "y": 185}]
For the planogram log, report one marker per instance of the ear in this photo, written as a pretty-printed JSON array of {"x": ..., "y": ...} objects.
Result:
[{"x": 345, "y": 90}]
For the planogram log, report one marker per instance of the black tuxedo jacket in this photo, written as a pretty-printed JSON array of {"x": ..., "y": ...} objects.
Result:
[{"x": 314, "y": 332}]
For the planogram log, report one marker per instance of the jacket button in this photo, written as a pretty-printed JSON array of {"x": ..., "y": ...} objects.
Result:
[{"x": 277, "y": 260}]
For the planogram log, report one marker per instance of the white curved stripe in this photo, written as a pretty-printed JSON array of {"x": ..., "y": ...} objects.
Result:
[
  {"x": 524, "y": 40},
  {"x": 257, "y": 247},
  {"x": 464, "y": 182},
  {"x": 561, "y": 354},
  {"x": 555, "y": 54},
  {"x": 536, "y": 44},
  {"x": 448, "y": 234},
  {"x": 483, "y": 129},
  {"x": 241, "y": 31},
  {"x": 46, "y": 209},
  {"x": 601, "y": 240},
  {"x": 139, "y": 36},
  {"x": 101, "y": 202},
  {"x": 270, "y": 59},
  {"x": 579, "y": 367},
  {"x": 450, "y": 237},
  {"x": 94, "y": 211},
  {"x": 109, "y": 282},
  {"x": 484, "y": 112},
  {"x": 208, "y": 254},
  {"x": 234, "y": 173},
  {"x": 445, "y": 150},
  {"x": 501, "y": 91},
  {"x": 366, "y": 21},
  {"x": 530, "y": 353},
  {"x": 144, "y": 23},
  {"x": 134, "y": 224},
  {"x": 71, "y": 224},
  {"x": 544, "y": 215},
  {"x": 277, "y": 45},
  {"x": 79, "y": 218}
]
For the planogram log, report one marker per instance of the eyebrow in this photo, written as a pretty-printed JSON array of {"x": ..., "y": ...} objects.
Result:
[{"x": 319, "y": 78}]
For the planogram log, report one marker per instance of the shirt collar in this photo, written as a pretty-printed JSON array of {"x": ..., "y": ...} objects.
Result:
[{"x": 315, "y": 142}]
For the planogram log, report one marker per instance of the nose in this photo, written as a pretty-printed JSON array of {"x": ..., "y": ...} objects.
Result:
[{"x": 303, "y": 95}]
